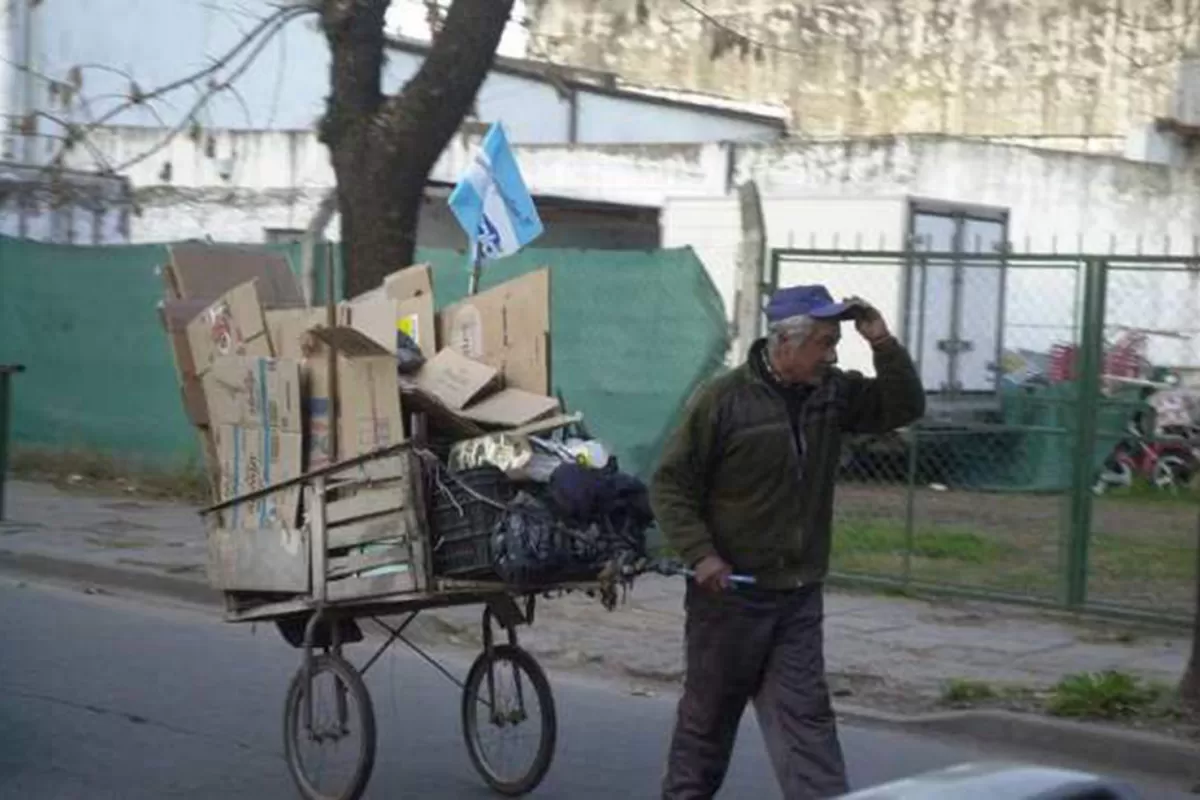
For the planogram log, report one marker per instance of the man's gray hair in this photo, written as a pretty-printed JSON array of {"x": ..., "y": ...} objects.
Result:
[{"x": 798, "y": 327}]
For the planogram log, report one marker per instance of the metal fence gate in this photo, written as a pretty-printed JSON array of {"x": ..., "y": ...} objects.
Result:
[{"x": 1056, "y": 463}]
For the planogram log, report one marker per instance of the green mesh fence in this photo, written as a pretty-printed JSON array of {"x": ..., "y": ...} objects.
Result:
[{"x": 633, "y": 334}]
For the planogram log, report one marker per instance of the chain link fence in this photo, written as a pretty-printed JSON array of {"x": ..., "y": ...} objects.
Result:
[{"x": 1056, "y": 462}]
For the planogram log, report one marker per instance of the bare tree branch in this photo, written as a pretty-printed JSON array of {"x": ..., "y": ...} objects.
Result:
[
  {"x": 472, "y": 30},
  {"x": 71, "y": 137},
  {"x": 214, "y": 88},
  {"x": 209, "y": 81}
]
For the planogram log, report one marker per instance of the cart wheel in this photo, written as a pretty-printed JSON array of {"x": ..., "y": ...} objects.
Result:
[
  {"x": 342, "y": 730},
  {"x": 507, "y": 675}
]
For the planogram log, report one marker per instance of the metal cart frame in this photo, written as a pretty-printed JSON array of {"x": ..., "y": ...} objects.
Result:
[{"x": 328, "y": 623}]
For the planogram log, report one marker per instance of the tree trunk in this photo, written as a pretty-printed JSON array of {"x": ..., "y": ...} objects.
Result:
[
  {"x": 1189, "y": 689},
  {"x": 382, "y": 149}
]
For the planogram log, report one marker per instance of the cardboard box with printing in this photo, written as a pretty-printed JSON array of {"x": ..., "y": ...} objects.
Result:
[
  {"x": 404, "y": 303},
  {"x": 257, "y": 423},
  {"x": 369, "y": 415},
  {"x": 232, "y": 325},
  {"x": 506, "y": 327}
]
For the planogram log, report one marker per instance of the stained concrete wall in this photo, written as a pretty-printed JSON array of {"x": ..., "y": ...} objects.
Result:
[{"x": 1001, "y": 67}]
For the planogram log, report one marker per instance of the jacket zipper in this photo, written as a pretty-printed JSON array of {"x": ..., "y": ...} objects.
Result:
[{"x": 799, "y": 440}]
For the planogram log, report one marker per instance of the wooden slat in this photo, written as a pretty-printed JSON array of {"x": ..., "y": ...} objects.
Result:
[
  {"x": 401, "y": 525},
  {"x": 385, "y": 469},
  {"x": 258, "y": 560},
  {"x": 374, "y": 586},
  {"x": 365, "y": 503},
  {"x": 385, "y": 556},
  {"x": 317, "y": 515},
  {"x": 422, "y": 563}
]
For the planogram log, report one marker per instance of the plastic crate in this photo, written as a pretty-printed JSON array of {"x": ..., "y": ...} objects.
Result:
[{"x": 463, "y": 516}]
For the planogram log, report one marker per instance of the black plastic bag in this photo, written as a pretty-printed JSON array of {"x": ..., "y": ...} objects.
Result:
[{"x": 409, "y": 358}]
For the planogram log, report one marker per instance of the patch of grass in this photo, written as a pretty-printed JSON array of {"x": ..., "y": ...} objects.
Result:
[
  {"x": 1102, "y": 695},
  {"x": 962, "y": 691},
  {"x": 1144, "y": 557},
  {"x": 1144, "y": 492},
  {"x": 91, "y": 470},
  {"x": 938, "y": 544}
]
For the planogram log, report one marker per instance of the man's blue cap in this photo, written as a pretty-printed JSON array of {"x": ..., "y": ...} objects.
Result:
[{"x": 812, "y": 301}]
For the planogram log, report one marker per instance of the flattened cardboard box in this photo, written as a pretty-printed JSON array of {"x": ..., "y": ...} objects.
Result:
[
  {"x": 368, "y": 394},
  {"x": 288, "y": 328},
  {"x": 404, "y": 303},
  {"x": 374, "y": 315},
  {"x": 251, "y": 459},
  {"x": 455, "y": 379},
  {"x": 254, "y": 405},
  {"x": 204, "y": 272},
  {"x": 510, "y": 408},
  {"x": 506, "y": 327},
  {"x": 175, "y": 316},
  {"x": 233, "y": 325},
  {"x": 412, "y": 289},
  {"x": 254, "y": 392}
]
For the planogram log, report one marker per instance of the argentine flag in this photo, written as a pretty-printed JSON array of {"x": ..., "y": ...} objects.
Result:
[{"x": 491, "y": 202}]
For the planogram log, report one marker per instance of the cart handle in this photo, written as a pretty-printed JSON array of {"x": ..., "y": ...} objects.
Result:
[
  {"x": 329, "y": 469},
  {"x": 747, "y": 580}
]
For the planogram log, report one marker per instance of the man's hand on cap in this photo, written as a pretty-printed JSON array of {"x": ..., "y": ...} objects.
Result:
[{"x": 868, "y": 321}]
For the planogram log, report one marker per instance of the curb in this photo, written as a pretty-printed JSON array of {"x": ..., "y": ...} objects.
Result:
[
  {"x": 1117, "y": 749},
  {"x": 111, "y": 578}
]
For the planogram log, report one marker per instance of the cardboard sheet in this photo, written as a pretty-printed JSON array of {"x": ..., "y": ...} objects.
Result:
[
  {"x": 403, "y": 303},
  {"x": 506, "y": 327},
  {"x": 250, "y": 459},
  {"x": 368, "y": 396},
  {"x": 455, "y": 379},
  {"x": 254, "y": 407},
  {"x": 204, "y": 272},
  {"x": 510, "y": 408},
  {"x": 254, "y": 392},
  {"x": 231, "y": 325},
  {"x": 288, "y": 328}
]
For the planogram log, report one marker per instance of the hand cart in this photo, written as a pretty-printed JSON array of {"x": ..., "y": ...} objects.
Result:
[{"x": 364, "y": 552}]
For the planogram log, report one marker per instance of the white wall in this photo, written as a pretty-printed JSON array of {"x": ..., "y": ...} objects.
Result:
[{"x": 640, "y": 175}]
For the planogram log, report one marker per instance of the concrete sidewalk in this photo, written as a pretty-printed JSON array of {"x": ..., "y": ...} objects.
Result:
[{"x": 895, "y": 652}]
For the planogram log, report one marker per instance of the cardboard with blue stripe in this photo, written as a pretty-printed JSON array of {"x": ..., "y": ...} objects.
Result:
[{"x": 257, "y": 423}]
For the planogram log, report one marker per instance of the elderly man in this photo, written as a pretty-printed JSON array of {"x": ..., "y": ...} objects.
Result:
[{"x": 746, "y": 487}]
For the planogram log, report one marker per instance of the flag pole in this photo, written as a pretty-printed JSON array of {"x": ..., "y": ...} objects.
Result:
[{"x": 473, "y": 286}]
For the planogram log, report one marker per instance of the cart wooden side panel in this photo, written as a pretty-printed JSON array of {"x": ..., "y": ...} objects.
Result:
[{"x": 364, "y": 536}]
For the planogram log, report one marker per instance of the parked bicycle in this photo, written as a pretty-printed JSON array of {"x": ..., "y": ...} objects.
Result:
[{"x": 1167, "y": 463}]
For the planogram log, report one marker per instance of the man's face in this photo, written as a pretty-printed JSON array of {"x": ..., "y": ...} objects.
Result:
[{"x": 807, "y": 360}]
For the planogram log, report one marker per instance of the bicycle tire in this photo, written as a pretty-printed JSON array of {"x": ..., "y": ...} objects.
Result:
[
  {"x": 525, "y": 663},
  {"x": 292, "y": 714}
]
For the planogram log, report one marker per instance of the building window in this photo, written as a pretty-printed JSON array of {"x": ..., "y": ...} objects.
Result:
[{"x": 283, "y": 235}]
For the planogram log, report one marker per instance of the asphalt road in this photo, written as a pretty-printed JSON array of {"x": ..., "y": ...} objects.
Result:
[{"x": 103, "y": 697}]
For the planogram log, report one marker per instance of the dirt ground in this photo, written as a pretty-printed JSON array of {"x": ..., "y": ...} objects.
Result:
[{"x": 1142, "y": 551}]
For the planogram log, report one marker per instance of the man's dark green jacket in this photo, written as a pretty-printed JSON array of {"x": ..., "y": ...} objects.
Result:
[{"x": 749, "y": 475}]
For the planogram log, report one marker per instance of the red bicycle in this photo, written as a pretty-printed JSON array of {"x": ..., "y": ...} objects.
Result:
[{"x": 1166, "y": 464}]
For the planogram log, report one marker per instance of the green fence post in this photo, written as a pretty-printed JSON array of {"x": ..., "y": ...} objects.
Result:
[
  {"x": 6, "y": 373},
  {"x": 910, "y": 501},
  {"x": 1091, "y": 357}
]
